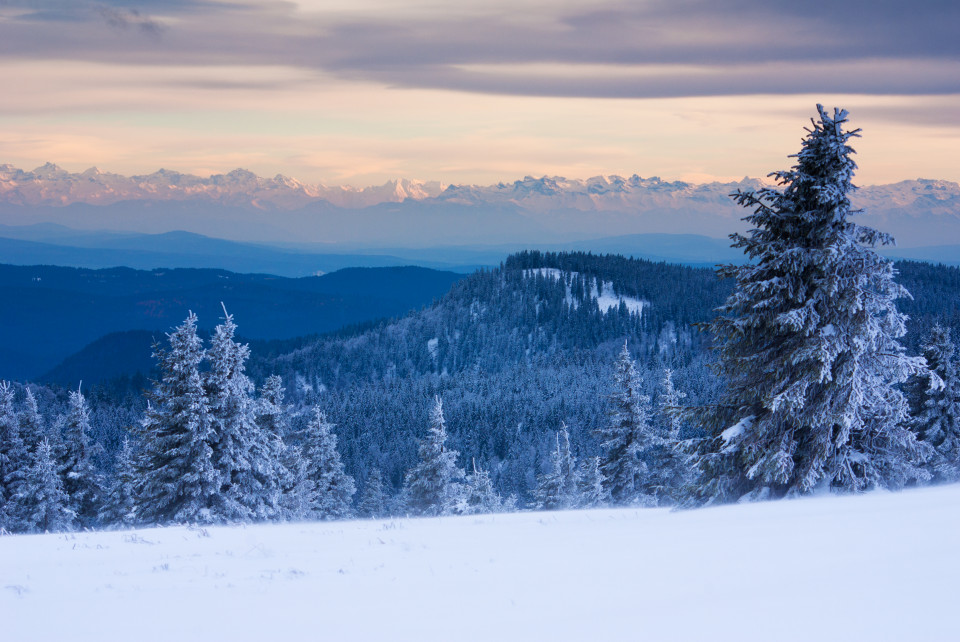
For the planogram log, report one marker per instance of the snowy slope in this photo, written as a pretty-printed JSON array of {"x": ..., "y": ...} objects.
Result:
[
  {"x": 602, "y": 292},
  {"x": 876, "y": 567}
]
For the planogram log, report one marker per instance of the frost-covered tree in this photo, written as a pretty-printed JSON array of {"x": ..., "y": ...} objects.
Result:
[
  {"x": 808, "y": 341},
  {"x": 593, "y": 490},
  {"x": 938, "y": 421},
  {"x": 373, "y": 500},
  {"x": 670, "y": 465},
  {"x": 287, "y": 463},
  {"x": 32, "y": 429},
  {"x": 298, "y": 490},
  {"x": 242, "y": 453},
  {"x": 81, "y": 481},
  {"x": 558, "y": 488},
  {"x": 176, "y": 478},
  {"x": 626, "y": 434},
  {"x": 432, "y": 487},
  {"x": 43, "y": 501},
  {"x": 121, "y": 502},
  {"x": 332, "y": 488},
  {"x": 14, "y": 460},
  {"x": 478, "y": 494}
]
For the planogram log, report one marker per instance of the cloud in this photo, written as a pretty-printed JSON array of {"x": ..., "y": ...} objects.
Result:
[
  {"x": 126, "y": 19},
  {"x": 654, "y": 48}
]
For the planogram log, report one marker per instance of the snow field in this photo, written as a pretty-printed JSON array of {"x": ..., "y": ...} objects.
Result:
[{"x": 875, "y": 567}]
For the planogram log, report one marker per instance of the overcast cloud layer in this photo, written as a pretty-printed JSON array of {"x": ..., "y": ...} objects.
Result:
[
  {"x": 474, "y": 91},
  {"x": 659, "y": 48}
]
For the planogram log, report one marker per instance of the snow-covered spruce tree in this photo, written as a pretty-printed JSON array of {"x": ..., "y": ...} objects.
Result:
[
  {"x": 558, "y": 488},
  {"x": 938, "y": 421},
  {"x": 626, "y": 435},
  {"x": 288, "y": 466},
  {"x": 298, "y": 490},
  {"x": 479, "y": 496},
  {"x": 332, "y": 488},
  {"x": 593, "y": 490},
  {"x": 32, "y": 429},
  {"x": 43, "y": 501},
  {"x": 176, "y": 479},
  {"x": 807, "y": 342},
  {"x": 14, "y": 461},
  {"x": 242, "y": 452},
  {"x": 432, "y": 487},
  {"x": 671, "y": 466},
  {"x": 81, "y": 481},
  {"x": 373, "y": 500},
  {"x": 119, "y": 509}
]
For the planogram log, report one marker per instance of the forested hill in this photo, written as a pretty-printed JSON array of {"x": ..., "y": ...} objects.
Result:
[
  {"x": 516, "y": 351},
  {"x": 513, "y": 352}
]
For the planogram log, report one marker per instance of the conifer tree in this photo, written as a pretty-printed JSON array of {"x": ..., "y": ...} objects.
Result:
[
  {"x": 373, "y": 500},
  {"x": 626, "y": 435},
  {"x": 807, "y": 342},
  {"x": 121, "y": 501},
  {"x": 432, "y": 486},
  {"x": 242, "y": 452},
  {"x": 558, "y": 488},
  {"x": 938, "y": 420},
  {"x": 14, "y": 460},
  {"x": 42, "y": 499},
  {"x": 593, "y": 490},
  {"x": 298, "y": 489},
  {"x": 176, "y": 479},
  {"x": 32, "y": 429},
  {"x": 332, "y": 489},
  {"x": 288, "y": 467},
  {"x": 671, "y": 468},
  {"x": 478, "y": 495},
  {"x": 81, "y": 481}
]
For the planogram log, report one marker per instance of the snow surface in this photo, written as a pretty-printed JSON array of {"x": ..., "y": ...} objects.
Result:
[
  {"x": 873, "y": 567},
  {"x": 603, "y": 292}
]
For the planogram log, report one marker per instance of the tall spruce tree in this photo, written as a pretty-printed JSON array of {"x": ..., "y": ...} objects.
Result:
[
  {"x": 14, "y": 461},
  {"x": 242, "y": 452},
  {"x": 81, "y": 481},
  {"x": 332, "y": 489},
  {"x": 938, "y": 418},
  {"x": 176, "y": 478},
  {"x": 432, "y": 486},
  {"x": 626, "y": 435},
  {"x": 807, "y": 342}
]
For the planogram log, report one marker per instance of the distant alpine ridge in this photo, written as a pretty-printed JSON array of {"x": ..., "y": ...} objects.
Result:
[
  {"x": 918, "y": 212},
  {"x": 53, "y": 185}
]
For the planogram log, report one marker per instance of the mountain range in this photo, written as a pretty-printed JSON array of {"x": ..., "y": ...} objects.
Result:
[{"x": 242, "y": 206}]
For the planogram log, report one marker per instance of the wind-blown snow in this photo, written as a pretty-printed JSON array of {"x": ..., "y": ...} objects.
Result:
[
  {"x": 603, "y": 292},
  {"x": 829, "y": 568}
]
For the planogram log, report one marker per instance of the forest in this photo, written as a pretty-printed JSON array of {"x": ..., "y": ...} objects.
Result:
[{"x": 556, "y": 380}]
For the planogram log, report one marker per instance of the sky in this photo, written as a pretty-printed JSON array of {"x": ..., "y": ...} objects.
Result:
[{"x": 362, "y": 91}]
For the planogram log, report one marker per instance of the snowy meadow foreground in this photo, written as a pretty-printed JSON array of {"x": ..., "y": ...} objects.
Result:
[{"x": 830, "y": 568}]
